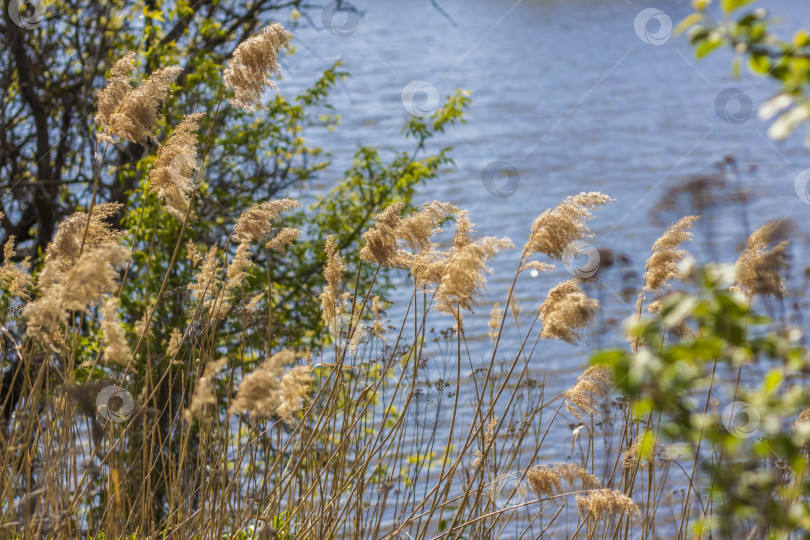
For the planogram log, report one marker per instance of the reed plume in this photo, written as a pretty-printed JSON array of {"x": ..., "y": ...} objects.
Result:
[
  {"x": 15, "y": 279},
  {"x": 296, "y": 385},
  {"x": 235, "y": 276},
  {"x": 489, "y": 439},
  {"x": 205, "y": 285},
  {"x": 331, "y": 299},
  {"x": 425, "y": 261},
  {"x": 252, "y": 60},
  {"x": 536, "y": 265},
  {"x": 358, "y": 336},
  {"x": 74, "y": 231},
  {"x": 117, "y": 87},
  {"x": 193, "y": 254},
  {"x": 380, "y": 241},
  {"x": 417, "y": 229},
  {"x": 132, "y": 113},
  {"x": 175, "y": 341},
  {"x": 283, "y": 239},
  {"x": 172, "y": 177},
  {"x": 602, "y": 503},
  {"x": 495, "y": 317},
  {"x": 93, "y": 275},
  {"x": 256, "y": 224},
  {"x": 116, "y": 347},
  {"x": 462, "y": 281},
  {"x": 566, "y": 312},
  {"x": 662, "y": 266},
  {"x": 378, "y": 330},
  {"x": 548, "y": 480},
  {"x": 269, "y": 390},
  {"x": 73, "y": 277},
  {"x": 237, "y": 270},
  {"x": 589, "y": 392},
  {"x": 204, "y": 391},
  {"x": 545, "y": 481},
  {"x": 83, "y": 285},
  {"x": 554, "y": 229},
  {"x": 761, "y": 265}
]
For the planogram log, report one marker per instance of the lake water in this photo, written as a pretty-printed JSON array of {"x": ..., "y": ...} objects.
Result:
[
  {"x": 570, "y": 97},
  {"x": 566, "y": 94}
]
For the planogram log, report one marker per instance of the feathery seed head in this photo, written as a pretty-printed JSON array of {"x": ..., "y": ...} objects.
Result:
[
  {"x": 462, "y": 281},
  {"x": 256, "y": 223},
  {"x": 381, "y": 241},
  {"x": 175, "y": 167},
  {"x": 203, "y": 394},
  {"x": 84, "y": 284},
  {"x": 175, "y": 341},
  {"x": 66, "y": 245},
  {"x": 252, "y": 60},
  {"x": 662, "y": 266},
  {"x": 566, "y": 312},
  {"x": 116, "y": 347},
  {"x": 133, "y": 113},
  {"x": 545, "y": 481},
  {"x": 114, "y": 92},
  {"x": 417, "y": 228},
  {"x": 93, "y": 275},
  {"x": 284, "y": 238},
  {"x": 591, "y": 389},
  {"x": 761, "y": 265},
  {"x": 495, "y": 318},
  {"x": 331, "y": 299},
  {"x": 556, "y": 228},
  {"x": 270, "y": 390},
  {"x": 14, "y": 279},
  {"x": 548, "y": 480},
  {"x": 606, "y": 502},
  {"x": 205, "y": 287}
]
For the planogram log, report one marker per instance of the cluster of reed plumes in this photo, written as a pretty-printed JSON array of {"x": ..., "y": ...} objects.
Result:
[{"x": 362, "y": 433}]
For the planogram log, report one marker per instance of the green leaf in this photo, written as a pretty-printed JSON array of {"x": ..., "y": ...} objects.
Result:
[
  {"x": 759, "y": 63},
  {"x": 687, "y": 23},
  {"x": 731, "y": 5},
  {"x": 772, "y": 380},
  {"x": 707, "y": 47}
]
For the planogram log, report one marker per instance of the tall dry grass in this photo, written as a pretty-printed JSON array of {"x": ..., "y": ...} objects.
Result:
[{"x": 353, "y": 437}]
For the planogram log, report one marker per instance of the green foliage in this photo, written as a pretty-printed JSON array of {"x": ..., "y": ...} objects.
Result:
[
  {"x": 749, "y": 34},
  {"x": 757, "y": 471}
]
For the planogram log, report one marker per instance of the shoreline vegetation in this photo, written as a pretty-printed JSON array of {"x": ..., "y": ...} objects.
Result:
[{"x": 118, "y": 425}]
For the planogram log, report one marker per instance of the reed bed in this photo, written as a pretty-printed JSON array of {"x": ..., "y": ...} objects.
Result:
[{"x": 360, "y": 433}]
